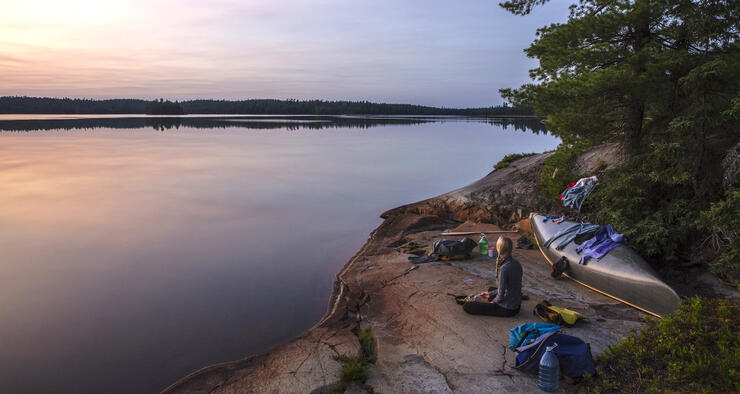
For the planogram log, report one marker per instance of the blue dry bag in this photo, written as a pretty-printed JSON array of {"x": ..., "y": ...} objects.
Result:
[
  {"x": 573, "y": 354},
  {"x": 523, "y": 334}
]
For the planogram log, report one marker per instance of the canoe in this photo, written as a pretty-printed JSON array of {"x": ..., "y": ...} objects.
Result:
[{"x": 621, "y": 274}]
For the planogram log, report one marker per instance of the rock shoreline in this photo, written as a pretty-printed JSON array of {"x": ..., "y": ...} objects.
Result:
[{"x": 425, "y": 342}]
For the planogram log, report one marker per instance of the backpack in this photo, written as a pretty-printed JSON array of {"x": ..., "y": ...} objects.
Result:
[
  {"x": 523, "y": 334},
  {"x": 448, "y": 249},
  {"x": 555, "y": 314},
  {"x": 574, "y": 355}
]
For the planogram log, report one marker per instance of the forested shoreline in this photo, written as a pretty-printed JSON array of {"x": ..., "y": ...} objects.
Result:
[
  {"x": 47, "y": 105},
  {"x": 661, "y": 78}
]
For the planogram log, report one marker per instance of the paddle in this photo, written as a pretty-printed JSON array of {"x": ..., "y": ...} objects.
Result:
[{"x": 479, "y": 232}]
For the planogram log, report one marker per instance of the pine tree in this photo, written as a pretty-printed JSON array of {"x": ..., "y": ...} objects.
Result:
[{"x": 663, "y": 78}]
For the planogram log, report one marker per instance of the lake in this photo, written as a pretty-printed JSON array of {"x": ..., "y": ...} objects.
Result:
[{"x": 137, "y": 249}]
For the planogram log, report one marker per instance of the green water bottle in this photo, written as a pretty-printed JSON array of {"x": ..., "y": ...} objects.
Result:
[{"x": 483, "y": 244}]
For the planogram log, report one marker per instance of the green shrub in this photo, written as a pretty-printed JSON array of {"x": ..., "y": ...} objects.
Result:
[
  {"x": 722, "y": 221},
  {"x": 342, "y": 358},
  {"x": 367, "y": 345},
  {"x": 508, "y": 159},
  {"x": 563, "y": 159},
  {"x": 649, "y": 201},
  {"x": 354, "y": 369},
  {"x": 696, "y": 349},
  {"x": 652, "y": 199}
]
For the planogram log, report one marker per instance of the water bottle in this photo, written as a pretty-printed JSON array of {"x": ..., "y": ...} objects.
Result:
[
  {"x": 547, "y": 379},
  {"x": 483, "y": 244}
]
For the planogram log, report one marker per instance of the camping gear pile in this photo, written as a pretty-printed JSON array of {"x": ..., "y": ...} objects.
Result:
[
  {"x": 529, "y": 341},
  {"x": 532, "y": 342},
  {"x": 574, "y": 355},
  {"x": 542, "y": 348}
]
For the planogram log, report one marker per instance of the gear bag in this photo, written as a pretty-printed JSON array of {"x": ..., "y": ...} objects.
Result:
[
  {"x": 573, "y": 354},
  {"x": 448, "y": 249},
  {"x": 555, "y": 314},
  {"x": 524, "y": 333}
]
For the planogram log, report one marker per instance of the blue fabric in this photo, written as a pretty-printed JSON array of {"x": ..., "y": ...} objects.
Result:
[
  {"x": 571, "y": 233},
  {"x": 573, "y": 354},
  {"x": 529, "y": 331},
  {"x": 575, "y": 196},
  {"x": 560, "y": 233},
  {"x": 584, "y": 228},
  {"x": 604, "y": 240}
]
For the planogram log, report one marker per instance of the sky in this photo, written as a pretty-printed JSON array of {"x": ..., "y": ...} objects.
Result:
[{"x": 428, "y": 52}]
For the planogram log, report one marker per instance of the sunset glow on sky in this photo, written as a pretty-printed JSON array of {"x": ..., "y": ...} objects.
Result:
[{"x": 425, "y": 52}]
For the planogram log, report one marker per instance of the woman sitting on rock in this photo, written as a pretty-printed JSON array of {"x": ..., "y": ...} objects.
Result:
[{"x": 505, "y": 301}]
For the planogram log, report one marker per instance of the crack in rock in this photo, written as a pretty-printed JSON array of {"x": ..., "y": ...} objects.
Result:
[{"x": 444, "y": 375}]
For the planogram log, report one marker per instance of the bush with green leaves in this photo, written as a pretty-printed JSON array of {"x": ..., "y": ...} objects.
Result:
[
  {"x": 354, "y": 368},
  {"x": 562, "y": 160},
  {"x": 508, "y": 159},
  {"x": 695, "y": 349},
  {"x": 722, "y": 222}
]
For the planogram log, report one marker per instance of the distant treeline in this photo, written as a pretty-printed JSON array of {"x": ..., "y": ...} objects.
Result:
[
  {"x": 320, "y": 107},
  {"x": 43, "y": 105},
  {"x": 163, "y": 107}
]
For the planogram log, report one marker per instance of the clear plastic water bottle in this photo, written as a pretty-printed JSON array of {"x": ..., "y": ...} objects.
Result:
[
  {"x": 547, "y": 379},
  {"x": 483, "y": 244}
]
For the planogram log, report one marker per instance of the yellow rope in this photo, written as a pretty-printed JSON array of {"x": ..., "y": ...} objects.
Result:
[{"x": 585, "y": 285}]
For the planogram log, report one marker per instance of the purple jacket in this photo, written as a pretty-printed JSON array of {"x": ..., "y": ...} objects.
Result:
[{"x": 604, "y": 240}]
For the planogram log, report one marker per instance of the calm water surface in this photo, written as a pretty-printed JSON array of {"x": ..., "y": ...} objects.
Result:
[{"x": 133, "y": 256}]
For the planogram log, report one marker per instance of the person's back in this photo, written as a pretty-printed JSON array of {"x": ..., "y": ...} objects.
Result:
[
  {"x": 509, "y": 284},
  {"x": 508, "y": 298}
]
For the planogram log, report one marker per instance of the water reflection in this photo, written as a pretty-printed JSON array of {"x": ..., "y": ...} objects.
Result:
[
  {"x": 254, "y": 122},
  {"x": 132, "y": 257}
]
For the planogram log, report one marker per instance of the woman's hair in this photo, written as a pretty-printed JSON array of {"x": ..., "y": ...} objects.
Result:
[{"x": 503, "y": 247}]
